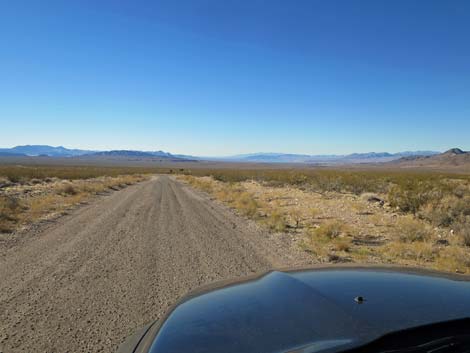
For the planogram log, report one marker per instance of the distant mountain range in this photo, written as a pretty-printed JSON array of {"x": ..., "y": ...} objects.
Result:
[
  {"x": 354, "y": 158},
  {"x": 135, "y": 155},
  {"x": 371, "y": 157},
  {"x": 50, "y": 151},
  {"x": 454, "y": 157},
  {"x": 43, "y": 150}
]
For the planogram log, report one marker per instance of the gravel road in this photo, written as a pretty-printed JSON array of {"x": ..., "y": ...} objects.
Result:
[{"x": 86, "y": 281}]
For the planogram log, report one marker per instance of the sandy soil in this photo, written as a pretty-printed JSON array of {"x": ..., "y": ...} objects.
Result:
[{"x": 87, "y": 280}]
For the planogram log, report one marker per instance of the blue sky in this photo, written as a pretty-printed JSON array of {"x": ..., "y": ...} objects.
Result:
[{"x": 211, "y": 77}]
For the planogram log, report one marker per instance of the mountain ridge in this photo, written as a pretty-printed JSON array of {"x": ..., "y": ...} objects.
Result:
[
  {"x": 454, "y": 157},
  {"x": 60, "y": 151},
  {"x": 44, "y": 150},
  {"x": 371, "y": 157},
  {"x": 260, "y": 157}
]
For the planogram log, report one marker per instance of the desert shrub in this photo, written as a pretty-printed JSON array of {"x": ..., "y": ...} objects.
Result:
[
  {"x": 361, "y": 208},
  {"x": 378, "y": 219},
  {"x": 19, "y": 173},
  {"x": 362, "y": 254},
  {"x": 15, "y": 178},
  {"x": 228, "y": 177},
  {"x": 461, "y": 190},
  {"x": 462, "y": 229},
  {"x": 9, "y": 204},
  {"x": 225, "y": 195},
  {"x": 246, "y": 204},
  {"x": 409, "y": 230},
  {"x": 15, "y": 212},
  {"x": 419, "y": 252},
  {"x": 465, "y": 235},
  {"x": 314, "y": 212},
  {"x": 357, "y": 182},
  {"x": 330, "y": 229},
  {"x": 276, "y": 221},
  {"x": 439, "y": 212},
  {"x": 342, "y": 244},
  {"x": 4, "y": 181},
  {"x": 40, "y": 206},
  {"x": 67, "y": 189},
  {"x": 10, "y": 208},
  {"x": 441, "y": 199},
  {"x": 447, "y": 210},
  {"x": 204, "y": 185},
  {"x": 235, "y": 195},
  {"x": 97, "y": 187},
  {"x": 453, "y": 258},
  {"x": 296, "y": 216},
  {"x": 326, "y": 240},
  {"x": 5, "y": 226},
  {"x": 130, "y": 179},
  {"x": 412, "y": 195}
]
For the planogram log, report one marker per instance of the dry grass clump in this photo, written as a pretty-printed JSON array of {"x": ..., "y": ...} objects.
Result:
[
  {"x": 98, "y": 187},
  {"x": 399, "y": 252},
  {"x": 410, "y": 196},
  {"x": 447, "y": 210},
  {"x": 454, "y": 259},
  {"x": 41, "y": 206},
  {"x": 463, "y": 231},
  {"x": 409, "y": 230},
  {"x": 236, "y": 196},
  {"x": 296, "y": 217},
  {"x": 228, "y": 194},
  {"x": 376, "y": 219},
  {"x": 330, "y": 241},
  {"x": 200, "y": 183},
  {"x": 330, "y": 229},
  {"x": 443, "y": 203},
  {"x": 342, "y": 244},
  {"x": 314, "y": 213},
  {"x": 129, "y": 179},
  {"x": 276, "y": 221},
  {"x": 4, "y": 181},
  {"x": 67, "y": 189},
  {"x": 10, "y": 209},
  {"x": 359, "y": 207},
  {"x": 246, "y": 204}
]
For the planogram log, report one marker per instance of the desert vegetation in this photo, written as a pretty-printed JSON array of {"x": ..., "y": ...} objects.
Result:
[
  {"x": 409, "y": 218},
  {"x": 34, "y": 174},
  {"x": 29, "y": 194}
]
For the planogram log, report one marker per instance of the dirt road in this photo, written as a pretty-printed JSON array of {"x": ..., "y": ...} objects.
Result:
[{"x": 86, "y": 281}]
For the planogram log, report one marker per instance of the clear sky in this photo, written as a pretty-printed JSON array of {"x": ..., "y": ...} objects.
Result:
[{"x": 220, "y": 77}]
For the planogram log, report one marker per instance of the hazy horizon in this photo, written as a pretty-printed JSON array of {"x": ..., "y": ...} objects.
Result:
[
  {"x": 212, "y": 78},
  {"x": 228, "y": 155}
]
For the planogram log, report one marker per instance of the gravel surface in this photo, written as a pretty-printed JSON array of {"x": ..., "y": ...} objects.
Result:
[{"x": 86, "y": 281}]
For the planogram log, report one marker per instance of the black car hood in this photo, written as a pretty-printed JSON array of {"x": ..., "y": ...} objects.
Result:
[{"x": 311, "y": 311}]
